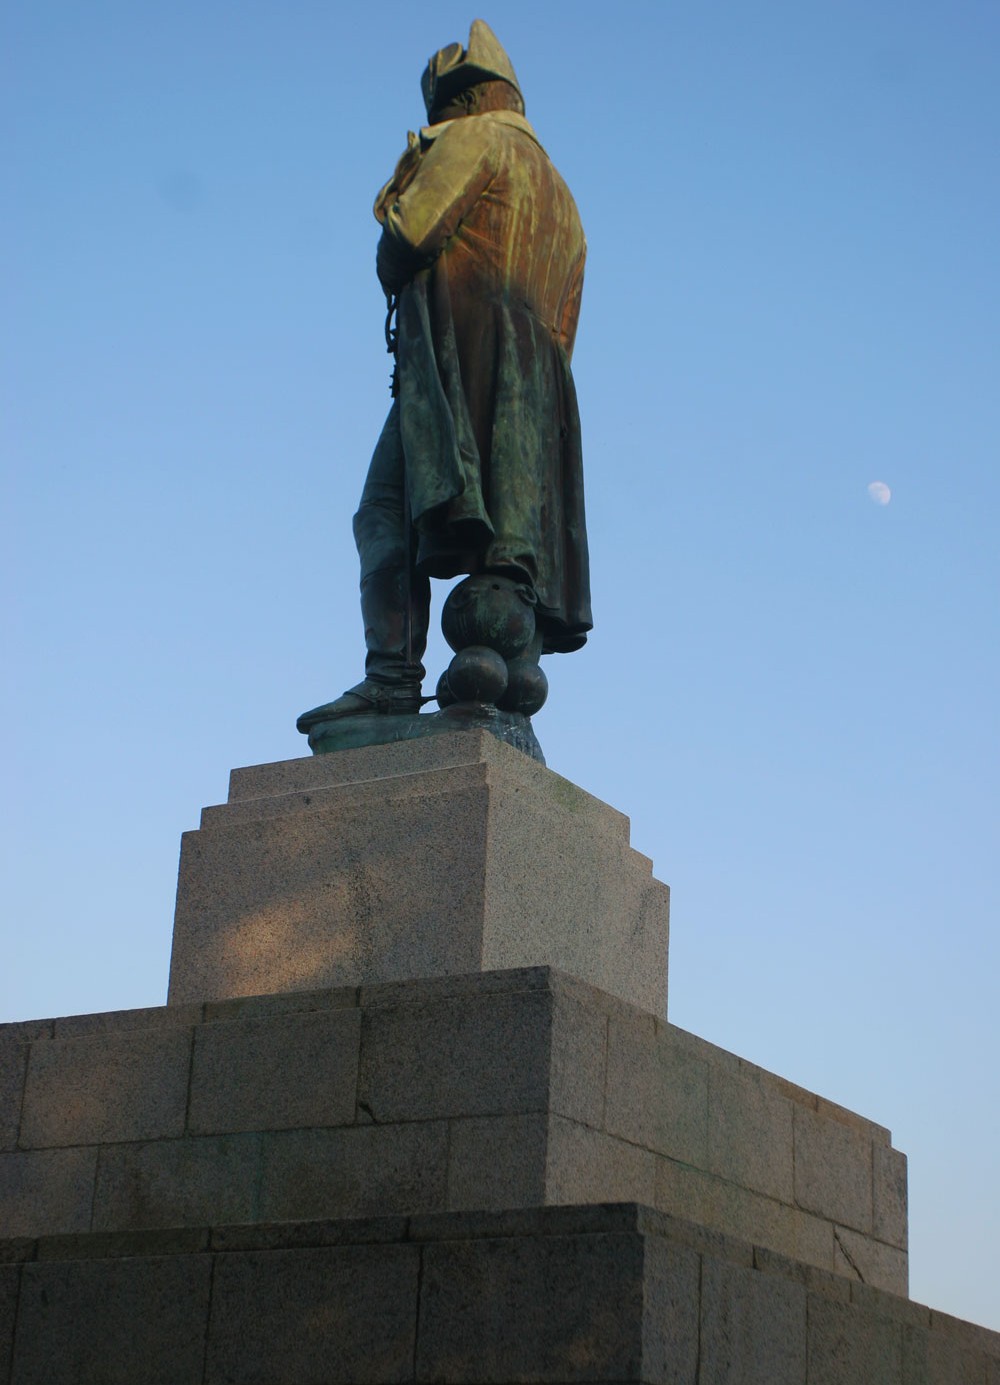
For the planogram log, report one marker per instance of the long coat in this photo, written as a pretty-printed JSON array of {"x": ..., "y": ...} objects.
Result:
[{"x": 482, "y": 242}]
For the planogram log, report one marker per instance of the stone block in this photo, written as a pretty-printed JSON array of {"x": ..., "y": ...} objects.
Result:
[
  {"x": 46, "y": 1190},
  {"x": 118, "y": 1021},
  {"x": 950, "y": 1363},
  {"x": 26, "y": 1031},
  {"x": 365, "y": 794},
  {"x": 694, "y": 1047},
  {"x": 969, "y": 1335},
  {"x": 480, "y": 859},
  {"x": 937, "y": 1358},
  {"x": 495, "y": 1162},
  {"x": 608, "y": 1218},
  {"x": 753, "y": 1327},
  {"x": 545, "y": 1308},
  {"x": 389, "y": 995},
  {"x": 13, "y": 1064},
  {"x": 585, "y": 1165},
  {"x": 721, "y": 1058},
  {"x": 277, "y": 1072},
  {"x": 10, "y": 1278},
  {"x": 314, "y": 1316},
  {"x": 671, "y": 1342},
  {"x": 873, "y": 1262},
  {"x": 528, "y": 1086},
  {"x": 889, "y": 1305},
  {"x": 468, "y": 1056},
  {"x": 750, "y": 1132},
  {"x": 351, "y": 1231},
  {"x": 657, "y": 1095},
  {"x": 890, "y": 1220},
  {"x": 340, "y": 894},
  {"x": 255, "y": 1007},
  {"x": 15, "y": 1250},
  {"x": 848, "y": 1345},
  {"x": 364, "y": 1170},
  {"x": 189, "y": 1182},
  {"x": 914, "y": 1356},
  {"x": 689, "y": 1192},
  {"x": 108, "y": 1245},
  {"x": 561, "y": 1294},
  {"x": 113, "y": 1321},
  {"x": 106, "y": 1087},
  {"x": 348, "y": 767},
  {"x": 681, "y": 1231},
  {"x": 564, "y": 889},
  {"x": 579, "y": 1052},
  {"x": 833, "y": 1170},
  {"x": 878, "y": 1134},
  {"x": 816, "y": 1280}
]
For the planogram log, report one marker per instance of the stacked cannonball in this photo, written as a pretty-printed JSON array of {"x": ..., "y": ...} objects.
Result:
[{"x": 489, "y": 621}]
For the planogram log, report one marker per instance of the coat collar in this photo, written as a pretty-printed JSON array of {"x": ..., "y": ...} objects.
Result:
[{"x": 429, "y": 133}]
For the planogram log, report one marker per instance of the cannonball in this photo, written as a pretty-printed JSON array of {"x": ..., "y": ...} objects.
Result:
[
  {"x": 489, "y": 610},
  {"x": 477, "y": 674},
  {"x": 527, "y": 688},
  {"x": 443, "y": 693}
]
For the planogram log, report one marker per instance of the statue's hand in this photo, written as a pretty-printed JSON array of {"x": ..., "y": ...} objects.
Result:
[{"x": 394, "y": 264}]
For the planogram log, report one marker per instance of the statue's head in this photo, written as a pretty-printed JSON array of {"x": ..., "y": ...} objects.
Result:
[{"x": 465, "y": 81}]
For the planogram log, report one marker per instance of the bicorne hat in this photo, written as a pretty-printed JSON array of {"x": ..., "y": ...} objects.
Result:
[{"x": 454, "y": 68}]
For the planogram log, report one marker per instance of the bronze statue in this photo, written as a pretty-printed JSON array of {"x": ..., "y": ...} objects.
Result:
[{"x": 478, "y": 468}]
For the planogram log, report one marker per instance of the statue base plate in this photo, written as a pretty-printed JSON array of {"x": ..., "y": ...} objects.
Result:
[{"x": 354, "y": 733}]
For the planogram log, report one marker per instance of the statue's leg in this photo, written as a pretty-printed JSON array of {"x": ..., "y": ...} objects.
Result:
[
  {"x": 386, "y": 594},
  {"x": 395, "y": 601}
]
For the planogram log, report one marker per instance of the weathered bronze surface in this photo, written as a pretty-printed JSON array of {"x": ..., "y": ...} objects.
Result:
[
  {"x": 478, "y": 468},
  {"x": 354, "y": 732}
]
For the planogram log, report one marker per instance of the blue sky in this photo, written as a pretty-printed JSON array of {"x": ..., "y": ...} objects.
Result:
[{"x": 792, "y": 292}]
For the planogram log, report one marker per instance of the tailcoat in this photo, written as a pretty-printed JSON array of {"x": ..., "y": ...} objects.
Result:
[{"x": 483, "y": 245}]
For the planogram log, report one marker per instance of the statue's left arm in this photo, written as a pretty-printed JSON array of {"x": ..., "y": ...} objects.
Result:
[
  {"x": 452, "y": 175},
  {"x": 570, "y": 315}
]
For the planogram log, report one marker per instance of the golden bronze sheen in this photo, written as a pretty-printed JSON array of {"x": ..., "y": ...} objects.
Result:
[{"x": 478, "y": 468}]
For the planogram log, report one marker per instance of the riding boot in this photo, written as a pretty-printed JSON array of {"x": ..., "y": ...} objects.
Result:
[{"x": 393, "y": 672}]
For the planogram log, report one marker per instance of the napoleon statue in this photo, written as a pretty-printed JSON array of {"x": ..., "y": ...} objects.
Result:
[{"x": 478, "y": 468}]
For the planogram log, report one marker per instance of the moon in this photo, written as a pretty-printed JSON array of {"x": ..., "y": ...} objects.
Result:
[{"x": 880, "y": 492}]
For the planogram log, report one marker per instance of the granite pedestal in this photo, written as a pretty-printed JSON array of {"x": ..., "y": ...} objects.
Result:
[
  {"x": 499, "y": 1090},
  {"x": 433, "y": 857},
  {"x": 552, "y": 1296},
  {"x": 415, "y": 1047}
]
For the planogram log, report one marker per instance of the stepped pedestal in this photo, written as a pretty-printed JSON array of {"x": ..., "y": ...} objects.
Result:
[
  {"x": 559, "y": 1294},
  {"x": 432, "y": 857},
  {"x": 425, "y": 984},
  {"x": 499, "y": 1090}
]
